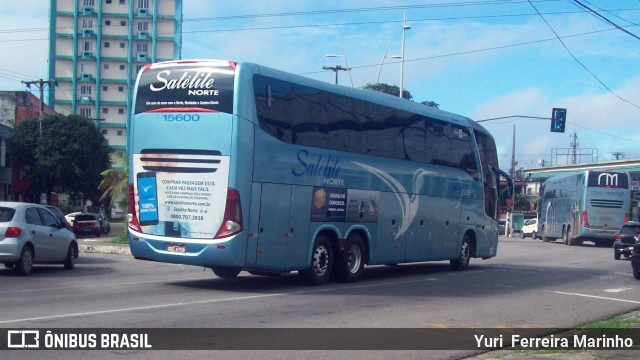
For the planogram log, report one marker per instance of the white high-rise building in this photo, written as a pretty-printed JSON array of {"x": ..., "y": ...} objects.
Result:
[{"x": 97, "y": 48}]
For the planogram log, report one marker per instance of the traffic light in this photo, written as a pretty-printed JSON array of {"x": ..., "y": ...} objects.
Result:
[{"x": 558, "y": 119}]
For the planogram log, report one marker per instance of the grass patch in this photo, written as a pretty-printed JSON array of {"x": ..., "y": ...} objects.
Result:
[{"x": 120, "y": 239}]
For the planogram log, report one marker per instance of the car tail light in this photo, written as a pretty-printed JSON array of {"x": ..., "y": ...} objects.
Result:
[
  {"x": 626, "y": 218},
  {"x": 585, "y": 219},
  {"x": 132, "y": 219},
  {"x": 232, "y": 221},
  {"x": 618, "y": 237},
  {"x": 12, "y": 232}
]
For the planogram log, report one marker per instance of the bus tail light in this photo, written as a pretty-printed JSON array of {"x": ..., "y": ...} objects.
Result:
[
  {"x": 232, "y": 222},
  {"x": 132, "y": 219},
  {"x": 626, "y": 218},
  {"x": 585, "y": 219}
]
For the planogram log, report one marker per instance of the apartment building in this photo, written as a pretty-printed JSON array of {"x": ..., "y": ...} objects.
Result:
[{"x": 97, "y": 48}]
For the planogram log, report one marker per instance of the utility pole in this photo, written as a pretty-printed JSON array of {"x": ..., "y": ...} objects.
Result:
[
  {"x": 40, "y": 84},
  {"x": 574, "y": 147},
  {"x": 618, "y": 154}
]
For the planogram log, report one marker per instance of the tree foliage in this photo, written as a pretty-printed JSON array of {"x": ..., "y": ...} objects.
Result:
[
  {"x": 66, "y": 154},
  {"x": 388, "y": 89},
  {"x": 114, "y": 184}
]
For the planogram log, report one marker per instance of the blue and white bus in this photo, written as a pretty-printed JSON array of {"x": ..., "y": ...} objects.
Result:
[
  {"x": 584, "y": 206},
  {"x": 236, "y": 166}
]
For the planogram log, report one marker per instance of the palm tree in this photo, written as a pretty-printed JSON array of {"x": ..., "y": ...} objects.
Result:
[{"x": 115, "y": 181}]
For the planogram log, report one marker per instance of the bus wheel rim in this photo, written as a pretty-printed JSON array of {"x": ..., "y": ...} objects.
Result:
[
  {"x": 355, "y": 258},
  {"x": 320, "y": 260}
]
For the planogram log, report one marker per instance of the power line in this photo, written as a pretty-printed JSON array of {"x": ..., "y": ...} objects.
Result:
[
  {"x": 578, "y": 61},
  {"x": 604, "y": 19}
]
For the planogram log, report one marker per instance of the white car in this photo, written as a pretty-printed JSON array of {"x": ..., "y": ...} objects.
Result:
[
  {"x": 530, "y": 228},
  {"x": 71, "y": 217}
]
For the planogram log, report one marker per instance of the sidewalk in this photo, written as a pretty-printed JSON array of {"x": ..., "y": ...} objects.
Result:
[{"x": 102, "y": 245}]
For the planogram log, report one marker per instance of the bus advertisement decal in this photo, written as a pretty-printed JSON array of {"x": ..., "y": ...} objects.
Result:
[{"x": 340, "y": 205}]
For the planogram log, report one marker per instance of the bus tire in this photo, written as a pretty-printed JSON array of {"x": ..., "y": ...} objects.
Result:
[
  {"x": 565, "y": 237},
  {"x": 462, "y": 262},
  {"x": 616, "y": 254},
  {"x": 321, "y": 263},
  {"x": 226, "y": 272},
  {"x": 349, "y": 264}
]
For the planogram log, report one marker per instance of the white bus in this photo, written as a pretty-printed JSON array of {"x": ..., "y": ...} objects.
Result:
[{"x": 586, "y": 205}]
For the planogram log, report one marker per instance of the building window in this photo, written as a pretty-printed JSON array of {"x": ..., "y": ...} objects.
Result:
[
  {"x": 119, "y": 132},
  {"x": 87, "y": 45},
  {"x": 123, "y": 23},
  {"x": 88, "y": 3},
  {"x": 87, "y": 23},
  {"x": 121, "y": 66},
  {"x": 105, "y": 66},
  {"x": 121, "y": 111},
  {"x": 86, "y": 112},
  {"x": 85, "y": 90},
  {"x": 105, "y": 110},
  {"x": 120, "y": 88},
  {"x": 143, "y": 4},
  {"x": 85, "y": 68},
  {"x": 122, "y": 2},
  {"x": 139, "y": 67},
  {"x": 143, "y": 26},
  {"x": 107, "y": 22},
  {"x": 107, "y": 44},
  {"x": 105, "y": 88},
  {"x": 142, "y": 47},
  {"x": 104, "y": 131},
  {"x": 121, "y": 45}
]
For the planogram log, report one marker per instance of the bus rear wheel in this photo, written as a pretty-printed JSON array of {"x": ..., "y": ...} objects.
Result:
[
  {"x": 321, "y": 263},
  {"x": 226, "y": 272},
  {"x": 462, "y": 262},
  {"x": 350, "y": 263}
]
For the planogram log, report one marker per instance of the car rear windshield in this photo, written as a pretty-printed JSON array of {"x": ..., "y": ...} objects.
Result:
[
  {"x": 85, "y": 217},
  {"x": 630, "y": 230},
  {"x": 6, "y": 214}
]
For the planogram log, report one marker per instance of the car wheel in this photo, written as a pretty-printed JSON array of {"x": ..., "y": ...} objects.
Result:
[
  {"x": 616, "y": 254},
  {"x": 321, "y": 263},
  {"x": 522, "y": 235},
  {"x": 25, "y": 262},
  {"x": 534, "y": 236},
  {"x": 350, "y": 263},
  {"x": 636, "y": 274},
  {"x": 70, "y": 260},
  {"x": 462, "y": 262}
]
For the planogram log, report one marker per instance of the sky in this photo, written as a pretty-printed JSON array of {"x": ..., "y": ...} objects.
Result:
[{"x": 483, "y": 59}]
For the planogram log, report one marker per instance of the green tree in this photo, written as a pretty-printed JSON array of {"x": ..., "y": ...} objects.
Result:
[
  {"x": 520, "y": 203},
  {"x": 115, "y": 180},
  {"x": 388, "y": 89},
  {"x": 64, "y": 154}
]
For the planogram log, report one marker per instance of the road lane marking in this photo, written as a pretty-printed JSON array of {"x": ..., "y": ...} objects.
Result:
[
  {"x": 618, "y": 290},
  {"x": 209, "y": 301},
  {"x": 597, "y": 297}
]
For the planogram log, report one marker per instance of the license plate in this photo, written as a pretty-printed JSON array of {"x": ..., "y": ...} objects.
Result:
[{"x": 177, "y": 248}]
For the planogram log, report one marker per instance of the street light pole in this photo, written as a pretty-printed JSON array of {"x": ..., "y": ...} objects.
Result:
[
  {"x": 382, "y": 63},
  {"x": 405, "y": 27},
  {"x": 335, "y": 69}
]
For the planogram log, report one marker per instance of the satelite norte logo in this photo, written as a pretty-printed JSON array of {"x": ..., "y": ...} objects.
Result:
[{"x": 23, "y": 339}]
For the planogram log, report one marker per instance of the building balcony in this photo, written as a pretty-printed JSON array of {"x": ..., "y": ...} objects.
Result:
[
  {"x": 88, "y": 11},
  {"x": 143, "y": 35},
  {"x": 85, "y": 99},
  {"x": 87, "y": 55},
  {"x": 87, "y": 33},
  {"x": 143, "y": 13},
  {"x": 86, "y": 77}
]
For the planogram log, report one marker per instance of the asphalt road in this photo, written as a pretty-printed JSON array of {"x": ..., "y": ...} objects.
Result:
[{"x": 530, "y": 284}]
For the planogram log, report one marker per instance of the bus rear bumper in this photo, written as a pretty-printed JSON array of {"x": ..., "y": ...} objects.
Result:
[{"x": 179, "y": 251}]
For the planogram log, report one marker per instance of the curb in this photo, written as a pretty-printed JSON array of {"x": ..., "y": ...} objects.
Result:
[{"x": 105, "y": 249}]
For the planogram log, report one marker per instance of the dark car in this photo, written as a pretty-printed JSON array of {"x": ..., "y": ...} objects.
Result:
[
  {"x": 86, "y": 223},
  {"x": 104, "y": 224},
  {"x": 635, "y": 261},
  {"x": 625, "y": 239}
]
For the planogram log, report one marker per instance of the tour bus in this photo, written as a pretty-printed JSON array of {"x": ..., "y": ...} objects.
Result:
[
  {"x": 584, "y": 206},
  {"x": 236, "y": 166}
]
